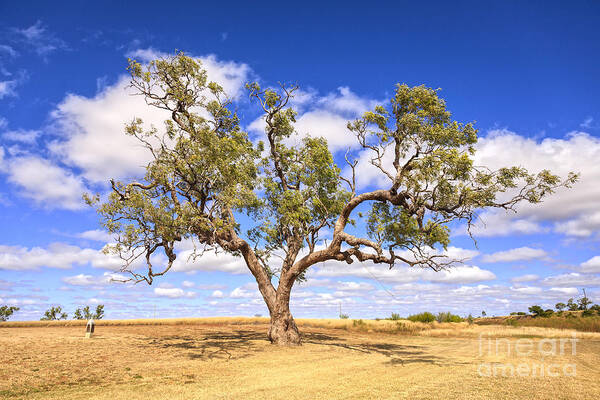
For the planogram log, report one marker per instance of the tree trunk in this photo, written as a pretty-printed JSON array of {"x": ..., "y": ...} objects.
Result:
[{"x": 283, "y": 330}]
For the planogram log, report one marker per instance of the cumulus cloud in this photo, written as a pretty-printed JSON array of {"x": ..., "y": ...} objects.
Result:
[
  {"x": 232, "y": 76},
  {"x": 47, "y": 184},
  {"x": 572, "y": 279},
  {"x": 518, "y": 254},
  {"x": 56, "y": 255},
  {"x": 591, "y": 265},
  {"x": 92, "y": 128},
  {"x": 571, "y": 211},
  {"x": 325, "y": 116}
]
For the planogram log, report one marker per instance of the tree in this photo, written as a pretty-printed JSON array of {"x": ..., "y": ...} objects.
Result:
[
  {"x": 85, "y": 313},
  {"x": 584, "y": 302},
  {"x": 54, "y": 313},
  {"x": 572, "y": 306},
  {"x": 536, "y": 311},
  {"x": 560, "y": 306},
  {"x": 206, "y": 173},
  {"x": 7, "y": 311}
]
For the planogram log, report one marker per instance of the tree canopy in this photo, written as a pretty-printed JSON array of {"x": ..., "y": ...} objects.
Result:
[{"x": 296, "y": 201}]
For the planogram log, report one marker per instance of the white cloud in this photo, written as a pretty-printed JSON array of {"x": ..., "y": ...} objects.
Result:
[
  {"x": 188, "y": 284},
  {"x": 572, "y": 211},
  {"x": 7, "y": 88},
  {"x": 56, "y": 255},
  {"x": 209, "y": 260},
  {"x": 96, "y": 235},
  {"x": 353, "y": 286},
  {"x": 502, "y": 223},
  {"x": 587, "y": 123},
  {"x": 89, "y": 280},
  {"x": 325, "y": 116},
  {"x": 572, "y": 279},
  {"x": 47, "y": 184},
  {"x": 402, "y": 274},
  {"x": 92, "y": 129},
  {"x": 28, "y": 136},
  {"x": 583, "y": 226},
  {"x": 230, "y": 75},
  {"x": 8, "y": 50},
  {"x": 217, "y": 294},
  {"x": 249, "y": 290},
  {"x": 591, "y": 265},
  {"x": 173, "y": 293},
  {"x": 2, "y": 162},
  {"x": 42, "y": 41},
  {"x": 518, "y": 254},
  {"x": 525, "y": 278}
]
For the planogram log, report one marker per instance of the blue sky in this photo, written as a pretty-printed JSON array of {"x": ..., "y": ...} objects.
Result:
[{"x": 525, "y": 72}]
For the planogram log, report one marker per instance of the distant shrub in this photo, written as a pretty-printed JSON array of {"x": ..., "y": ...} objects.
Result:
[
  {"x": 518, "y": 313},
  {"x": 344, "y": 316},
  {"x": 395, "y": 317},
  {"x": 470, "y": 319},
  {"x": 422, "y": 317},
  {"x": 588, "y": 313},
  {"x": 448, "y": 317},
  {"x": 359, "y": 323},
  {"x": 538, "y": 311}
]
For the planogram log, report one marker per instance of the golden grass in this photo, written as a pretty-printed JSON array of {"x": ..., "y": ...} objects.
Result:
[
  {"x": 436, "y": 329},
  {"x": 225, "y": 358}
]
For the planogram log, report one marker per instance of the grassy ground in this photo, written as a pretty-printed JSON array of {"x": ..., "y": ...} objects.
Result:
[
  {"x": 231, "y": 359},
  {"x": 566, "y": 320}
]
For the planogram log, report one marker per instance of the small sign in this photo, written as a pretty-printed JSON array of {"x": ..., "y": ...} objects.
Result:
[{"x": 89, "y": 328}]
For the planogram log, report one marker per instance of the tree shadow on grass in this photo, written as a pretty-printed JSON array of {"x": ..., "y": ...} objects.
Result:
[
  {"x": 398, "y": 354},
  {"x": 215, "y": 345},
  {"x": 238, "y": 344}
]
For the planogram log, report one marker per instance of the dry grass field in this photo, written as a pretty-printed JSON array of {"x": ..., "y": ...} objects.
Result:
[{"x": 222, "y": 358}]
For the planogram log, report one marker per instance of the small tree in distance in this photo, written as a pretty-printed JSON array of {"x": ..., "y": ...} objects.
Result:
[
  {"x": 54, "y": 313},
  {"x": 86, "y": 313},
  {"x": 208, "y": 182},
  {"x": 560, "y": 306},
  {"x": 7, "y": 311}
]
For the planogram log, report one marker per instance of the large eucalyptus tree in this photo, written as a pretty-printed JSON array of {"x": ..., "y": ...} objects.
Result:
[{"x": 206, "y": 175}]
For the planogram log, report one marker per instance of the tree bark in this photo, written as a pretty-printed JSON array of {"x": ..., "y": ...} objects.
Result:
[{"x": 283, "y": 330}]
